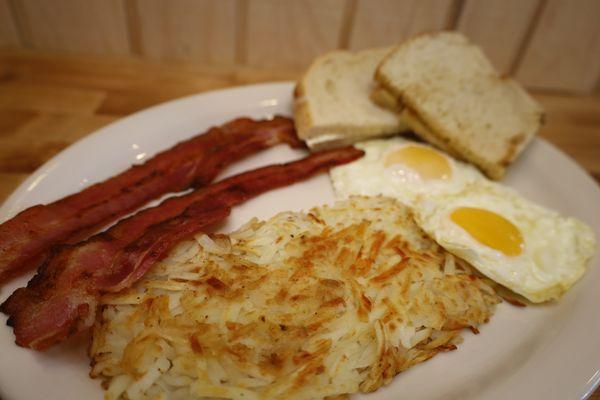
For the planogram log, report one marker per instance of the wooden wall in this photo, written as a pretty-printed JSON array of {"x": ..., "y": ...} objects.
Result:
[{"x": 550, "y": 44}]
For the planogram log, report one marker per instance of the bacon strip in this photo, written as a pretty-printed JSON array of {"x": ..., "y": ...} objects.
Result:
[
  {"x": 26, "y": 239},
  {"x": 61, "y": 299}
]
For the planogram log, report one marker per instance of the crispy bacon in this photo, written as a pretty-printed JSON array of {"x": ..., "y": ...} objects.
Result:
[
  {"x": 26, "y": 239},
  {"x": 61, "y": 299}
]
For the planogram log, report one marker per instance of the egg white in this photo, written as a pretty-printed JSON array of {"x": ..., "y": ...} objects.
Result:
[
  {"x": 368, "y": 176},
  {"x": 555, "y": 252}
]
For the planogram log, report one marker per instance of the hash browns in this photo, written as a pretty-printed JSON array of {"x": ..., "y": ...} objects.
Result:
[{"x": 303, "y": 306}]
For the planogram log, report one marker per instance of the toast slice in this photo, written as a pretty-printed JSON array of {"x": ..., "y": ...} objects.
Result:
[
  {"x": 331, "y": 101},
  {"x": 453, "y": 98}
]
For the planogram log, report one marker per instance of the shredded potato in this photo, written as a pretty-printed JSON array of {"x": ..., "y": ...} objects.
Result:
[{"x": 303, "y": 306}]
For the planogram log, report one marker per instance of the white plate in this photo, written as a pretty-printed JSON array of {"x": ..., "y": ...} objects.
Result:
[{"x": 544, "y": 352}]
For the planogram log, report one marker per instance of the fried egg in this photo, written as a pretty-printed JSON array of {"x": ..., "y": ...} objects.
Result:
[
  {"x": 525, "y": 247},
  {"x": 401, "y": 169}
]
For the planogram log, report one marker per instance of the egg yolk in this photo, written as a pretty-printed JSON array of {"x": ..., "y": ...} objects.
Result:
[
  {"x": 490, "y": 229},
  {"x": 428, "y": 163}
]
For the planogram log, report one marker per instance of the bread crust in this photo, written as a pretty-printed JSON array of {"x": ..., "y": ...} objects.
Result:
[{"x": 302, "y": 119}]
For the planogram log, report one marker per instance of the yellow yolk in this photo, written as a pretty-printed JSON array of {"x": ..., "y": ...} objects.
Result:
[
  {"x": 490, "y": 229},
  {"x": 428, "y": 163}
]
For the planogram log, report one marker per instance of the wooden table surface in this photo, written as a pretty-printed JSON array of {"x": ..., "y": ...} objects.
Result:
[{"x": 49, "y": 102}]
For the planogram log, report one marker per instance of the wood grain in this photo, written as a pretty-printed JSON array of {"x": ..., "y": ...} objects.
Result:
[
  {"x": 499, "y": 27},
  {"x": 8, "y": 29},
  {"x": 46, "y": 134},
  {"x": 573, "y": 125},
  {"x": 386, "y": 22},
  {"x": 564, "y": 52},
  {"x": 48, "y": 97},
  {"x": 191, "y": 30},
  {"x": 111, "y": 86},
  {"x": 10, "y": 181},
  {"x": 72, "y": 26},
  {"x": 12, "y": 120},
  {"x": 291, "y": 33}
]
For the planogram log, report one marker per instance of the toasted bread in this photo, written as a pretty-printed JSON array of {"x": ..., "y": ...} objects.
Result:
[
  {"x": 457, "y": 101},
  {"x": 332, "y": 105}
]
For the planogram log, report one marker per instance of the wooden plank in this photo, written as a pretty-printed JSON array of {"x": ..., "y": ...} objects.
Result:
[
  {"x": 194, "y": 30},
  {"x": 8, "y": 30},
  {"x": 499, "y": 27},
  {"x": 573, "y": 125},
  {"x": 291, "y": 33},
  {"x": 105, "y": 72},
  {"x": 386, "y": 22},
  {"x": 43, "y": 97},
  {"x": 10, "y": 181},
  {"x": 43, "y": 137},
  {"x": 106, "y": 86},
  {"x": 95, "y": 27},
  {"x": 564, "y": 52},
  {"x": 244, "y": 75},
  {"x": 582, "y": 147},
  {"x": 13, "y": 120}
]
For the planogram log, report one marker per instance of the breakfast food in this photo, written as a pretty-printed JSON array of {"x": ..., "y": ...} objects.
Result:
[
  {"x": 527, "y": 248},
  {"x": 26, "y": 239},
  {"x": 332, "y": 106},
  {"x": 61, "y": 299},
  {"x": 402, "y": 169},
  {"x": 453, "y": 98},
  {"x": 314, "y": 305},
  {"x": 302, "y": 306}
]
